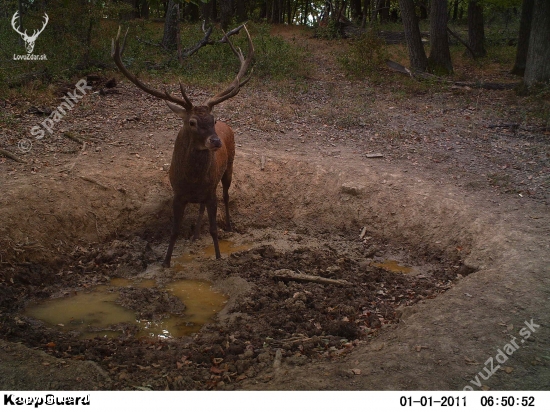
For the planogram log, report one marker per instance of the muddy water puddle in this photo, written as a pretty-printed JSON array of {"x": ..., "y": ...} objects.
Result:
[
  {"x": 393, "y": 266},
  {"x": 96, "y": 313},
  {"x": 226, "y": 248}
]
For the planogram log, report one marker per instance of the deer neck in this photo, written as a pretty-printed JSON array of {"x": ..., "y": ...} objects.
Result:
[{"x": 190, "y": 162}]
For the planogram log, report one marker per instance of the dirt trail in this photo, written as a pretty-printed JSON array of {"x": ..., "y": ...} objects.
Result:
[{"x": 439, "y": 200}]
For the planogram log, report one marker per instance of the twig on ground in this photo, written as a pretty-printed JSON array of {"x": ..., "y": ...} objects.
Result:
[
  {"x": 11, "y": 156},
  {"x": 73, "y": 137},
  {"x": 287, "y": 274},
  {"x": 89, "y": 179}
]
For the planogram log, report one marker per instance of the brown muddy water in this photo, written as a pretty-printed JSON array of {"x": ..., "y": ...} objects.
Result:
[
  {"x": 226, "y": 248},
  {"x": 96, "y": 314}
]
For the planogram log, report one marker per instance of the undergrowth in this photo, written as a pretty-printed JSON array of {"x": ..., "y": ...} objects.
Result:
[
  {"x": 365, "y": 55},
  {"x": 74, "y": 56}
]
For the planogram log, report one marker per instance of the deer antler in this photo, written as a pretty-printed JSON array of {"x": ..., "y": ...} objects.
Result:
[
  {"x": 237, "y": 83},
  {"x": 116, "y": 53}
]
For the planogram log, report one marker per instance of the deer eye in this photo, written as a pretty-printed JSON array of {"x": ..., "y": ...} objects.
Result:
[{"x": 193, "y": 123}]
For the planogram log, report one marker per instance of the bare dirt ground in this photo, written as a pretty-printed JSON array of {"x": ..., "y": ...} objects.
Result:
[{"x": 464, "y": 204}]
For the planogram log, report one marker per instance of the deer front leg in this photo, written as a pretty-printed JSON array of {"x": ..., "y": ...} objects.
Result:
[
  {"x": 199, "y": 220},
  {"x": 178, "y": 208},
  {"x": 226, "y": 182},
  {"x": 212, "y": 209}
]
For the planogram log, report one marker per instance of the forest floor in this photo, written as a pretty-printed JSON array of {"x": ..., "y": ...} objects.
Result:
[{"x": 334, "y": 178}]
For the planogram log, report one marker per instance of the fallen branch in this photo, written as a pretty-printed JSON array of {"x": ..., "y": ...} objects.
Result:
[
  {"x": 287, "y": 274},
  {"x": 488, "y": 86},
  {"x": 230, "y": 33},
  {"x": 474, "y": 85},
  {"x": 456, "y": 36},
  {"x": 192, "y": 50},
  {"x": 73, "y": 137},
  {"x": 89, "y": 179},
  {"x": 11, "y": 156},
  {"x": 506, "y": 125}
]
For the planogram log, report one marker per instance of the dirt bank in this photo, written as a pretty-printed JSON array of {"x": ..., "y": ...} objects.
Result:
[{"x": 462, "y": 204}]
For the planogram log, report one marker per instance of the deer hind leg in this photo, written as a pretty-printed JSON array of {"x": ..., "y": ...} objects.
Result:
[
  {"x": 212, "y": 209},
  {"x": 178, "y": 208},
  {"x": 199, "y": 220},
  {"x": 226, "y": 182}
]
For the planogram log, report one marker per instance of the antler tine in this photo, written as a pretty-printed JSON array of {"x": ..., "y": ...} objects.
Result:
[
  {"x": 234, "y": 87},
  {"x": 116, "y": 53},
  {"x": 185, "y": 96}
]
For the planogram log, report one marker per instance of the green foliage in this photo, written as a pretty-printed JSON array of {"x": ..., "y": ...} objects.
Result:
[
  {"x": 74, "y": 39},
  {"x": 274, "y": 58},
  {"x": 365, "y": 55},
  {"x": 77, "y": 41},
  {"x": 329, "y": 32},
  {"x": 277, "y": 58}
]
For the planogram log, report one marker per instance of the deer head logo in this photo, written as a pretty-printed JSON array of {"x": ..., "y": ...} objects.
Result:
[{"x": 29, "y": 40}]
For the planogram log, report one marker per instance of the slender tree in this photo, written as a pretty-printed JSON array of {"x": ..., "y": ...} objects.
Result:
[
  {"x": 417, "y": 55},
  {"x": 476, "y": 29},
  {"x": 523, "y": 38},
  {"x": 144, "y": 9},
  {"x": 537, "y": 68},
  {"x": 169, "y": 39},
  {"x": 440, "y": 55}
]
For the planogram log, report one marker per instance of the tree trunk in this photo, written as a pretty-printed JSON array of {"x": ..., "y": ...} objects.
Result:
[
  {"x": 384, "y": 10},
  {"x": 440, "y": 55},
  {"x": 226, "y": 13},
  {"x": 537, "y": 68},
  {"x": 240, "y": 10},
  {"x": 169, "y": 40},
  {"x": 21, "y": 26},
  {"x": 417, "y": 55},
  {"x": 523, "y": 38},
  {"x": 455, "y": 10},
  {"x": 476, "y": 30},
  {"x": 191, "y": 12},
  {"x": 144, "y": 9},
  {"x": 366, "y": 11},
  {"x": 423, "y": 12}
]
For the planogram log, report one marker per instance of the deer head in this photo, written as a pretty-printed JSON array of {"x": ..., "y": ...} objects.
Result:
[
  {"x": 183, "y": 106},
  {"x": 29, "y": 40}
]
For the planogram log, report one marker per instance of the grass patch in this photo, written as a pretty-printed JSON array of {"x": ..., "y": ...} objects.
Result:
[
  {"x": 274, "y": 59},
  {"x": 365, "y": 55}
]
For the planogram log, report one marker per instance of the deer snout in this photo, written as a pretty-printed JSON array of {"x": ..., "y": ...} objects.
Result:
[{"x": 213, "y": 143}]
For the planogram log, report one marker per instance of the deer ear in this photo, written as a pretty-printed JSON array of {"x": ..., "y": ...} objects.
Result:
[{"x": 180, "y": 111}]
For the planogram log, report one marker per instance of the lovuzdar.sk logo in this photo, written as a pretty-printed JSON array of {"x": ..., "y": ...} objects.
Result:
[{"x": 29, "y": 40}]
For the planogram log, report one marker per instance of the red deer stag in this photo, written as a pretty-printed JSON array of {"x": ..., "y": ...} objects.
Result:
[{"x": 204, "y": 149}]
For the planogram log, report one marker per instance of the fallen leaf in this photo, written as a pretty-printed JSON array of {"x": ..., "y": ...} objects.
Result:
[
  {"x": 470, "y": 361},
  {"x": 508, "y": 369},
  {"x": 50, "y": 345},
  {"x": 215, "y": 369},
  {"x": 356, "y": 371}
]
